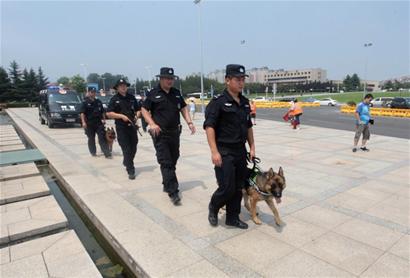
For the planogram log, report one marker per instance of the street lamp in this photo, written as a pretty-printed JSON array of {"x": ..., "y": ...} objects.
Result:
[
  {"x": 198, "y": 2},
  {"x": 148, "y": 68},
  {"x": 366, "y": 45},
  {"x": 85, "y": 76},
  {"x": 103, "y": 80}
]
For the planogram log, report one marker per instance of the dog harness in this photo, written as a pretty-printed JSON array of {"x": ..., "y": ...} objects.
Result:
[{"x": 254, "y": 173}]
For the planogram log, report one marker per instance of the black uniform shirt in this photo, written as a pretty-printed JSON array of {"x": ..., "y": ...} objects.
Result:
[
  {"x": 165, "y": 107},
  {"x": 126, "y": 105},
  {"x": 93, "y": 111},
  {"x": 230, "y": 120}
]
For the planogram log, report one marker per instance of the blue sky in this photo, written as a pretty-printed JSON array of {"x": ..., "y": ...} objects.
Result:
[{"x": 125, "y": 37}]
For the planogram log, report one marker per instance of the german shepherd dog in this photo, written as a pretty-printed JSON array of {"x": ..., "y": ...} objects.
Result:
[
  {"x": 110, "y": 137},
  {"x": 264, "y": 186}
]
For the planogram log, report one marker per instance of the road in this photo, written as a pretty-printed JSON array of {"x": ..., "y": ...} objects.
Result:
[{"x": 331, "y": 117}]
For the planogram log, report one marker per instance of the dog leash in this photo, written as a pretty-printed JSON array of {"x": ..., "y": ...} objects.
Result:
[{"x": 137, "y": 127}]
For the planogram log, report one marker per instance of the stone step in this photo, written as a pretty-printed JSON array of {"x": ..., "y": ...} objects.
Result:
[
  {"x": 22, "y": 189},
  {"x": 57, "y": 255},
  {"x": 26, "y": 219},
  {"x": 18, "y": 171},
  {"x": 10, "y": 142},
  {"x": 12, "y": 148}
]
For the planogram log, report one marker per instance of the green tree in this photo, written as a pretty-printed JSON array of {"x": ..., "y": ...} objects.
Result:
[
  {"x": 15, "y": 75},
  {"x": 64, "y": 80},
  {"x": 93, "y": 78},
  {"x": 78, "y": 83},
  {"x": 388, "y": 85},
  {"x": 42, "y": 80},
  {"x": 347, "y": 83},
  {"x": 5, "y": 85},
  {"x": 30, "y": 85},
  {"x": 355, "y": 81}
]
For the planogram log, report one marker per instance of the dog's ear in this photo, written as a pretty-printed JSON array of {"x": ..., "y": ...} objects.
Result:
[
  {"x": 281, "y": 172},
  {"x": 270, "y": 173}
]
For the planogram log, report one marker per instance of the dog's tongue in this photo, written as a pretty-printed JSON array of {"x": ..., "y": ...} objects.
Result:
[{"x": 278, "y": 200}]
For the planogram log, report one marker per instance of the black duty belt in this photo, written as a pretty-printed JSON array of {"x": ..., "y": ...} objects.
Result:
[{"x": 231, "y": 145}]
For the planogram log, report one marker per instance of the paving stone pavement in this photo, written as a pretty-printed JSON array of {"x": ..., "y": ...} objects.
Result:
[
  {"x": 18, "y": 171},
  {"x": 30, "y": 218},
  {"x": 345, "y": 214},
  {"x": 57, "y": 255}
]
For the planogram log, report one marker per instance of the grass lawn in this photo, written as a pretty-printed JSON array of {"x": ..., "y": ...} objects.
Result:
[{"x": 345, "y": 97}]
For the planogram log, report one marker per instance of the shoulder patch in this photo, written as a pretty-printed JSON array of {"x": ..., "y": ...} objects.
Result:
[{"x": 228, "y": 104}]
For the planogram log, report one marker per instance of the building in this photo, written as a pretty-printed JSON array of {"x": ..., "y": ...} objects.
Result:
[
  {"x": 257, "y": 75},
  {"x": 296, "y": 76},
  {"x": 218, "y": 75},
  {"x": 264, "y": 75},
  {"x": 372, "y": 85}
]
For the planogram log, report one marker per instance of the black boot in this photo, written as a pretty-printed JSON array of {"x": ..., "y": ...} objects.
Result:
[
  {"x": 237, "y": 223},
  {"x": 213, "y": 217}
]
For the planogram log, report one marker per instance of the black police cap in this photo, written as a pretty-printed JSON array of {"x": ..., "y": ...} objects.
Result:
[
  {"x": 167, "y": 73},
  {"x": 121, "y": 81},
  {"x": 234, "y": 70}
]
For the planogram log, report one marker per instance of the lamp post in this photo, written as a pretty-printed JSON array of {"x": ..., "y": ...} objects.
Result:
[
  {"x": 198, "y": 2},
  {"x": 103, "y": 80},
  {"x": 148, "y": 68},
  {"x": 366, "y": 45},
  {"x": 85, "y": 76}
]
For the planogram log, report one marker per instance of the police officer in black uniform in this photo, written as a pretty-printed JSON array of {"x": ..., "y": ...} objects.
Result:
[
  {"x": 93, "y": 120},
  {"x": 228, "y": 127},
  {"x": 161, "y": 109},
  {"x": 124, "y": 108}
]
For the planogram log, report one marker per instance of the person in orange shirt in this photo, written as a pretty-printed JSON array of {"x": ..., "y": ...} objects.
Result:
[
  {"x": 253, "y": 112},
  {"x": 295, "y": 111}
]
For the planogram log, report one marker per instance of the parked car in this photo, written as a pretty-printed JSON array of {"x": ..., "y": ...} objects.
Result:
[
  {"x": 256, "y": 99},
  {"x": 401, "y": 103},
  {"x": 311, "y": 99},
  {"x": 59, "y": 106},
  {"x": 387, "y": 103},
  {"x": 287, "y": 99},
  {"x": 105, "y": 99},
  {"x": 328, "y": 101},
  {"x": 380, "y": 100}
]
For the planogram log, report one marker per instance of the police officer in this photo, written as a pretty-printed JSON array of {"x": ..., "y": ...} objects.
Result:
[
  {"x": 93, "y": 120},
  {"x": 124, "y": 107},
  {"x": 161, "y": 109},
  {"x": 228, "y": 126}
]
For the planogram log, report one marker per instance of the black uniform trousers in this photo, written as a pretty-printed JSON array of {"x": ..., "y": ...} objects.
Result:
[
  {"x": 98, "y": 129},
  {"x": 167, "y": 150},
  {"x": 128, "y": 140},
  {"x": 231, "y": 179}
]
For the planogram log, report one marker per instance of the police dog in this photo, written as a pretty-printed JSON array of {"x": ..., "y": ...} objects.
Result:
[
  {"x": 267, "y": 186},
  {"x": 110, "y": 137}
]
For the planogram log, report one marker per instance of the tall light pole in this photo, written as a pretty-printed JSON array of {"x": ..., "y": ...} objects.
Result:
[
  {"x": 103, "y": 80},
  {"x": 198, "y": 2},
  {"x": 85, "y": 76},
  {"x": 148, "y": 68},
  {"x": 366, "y": 45}
]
